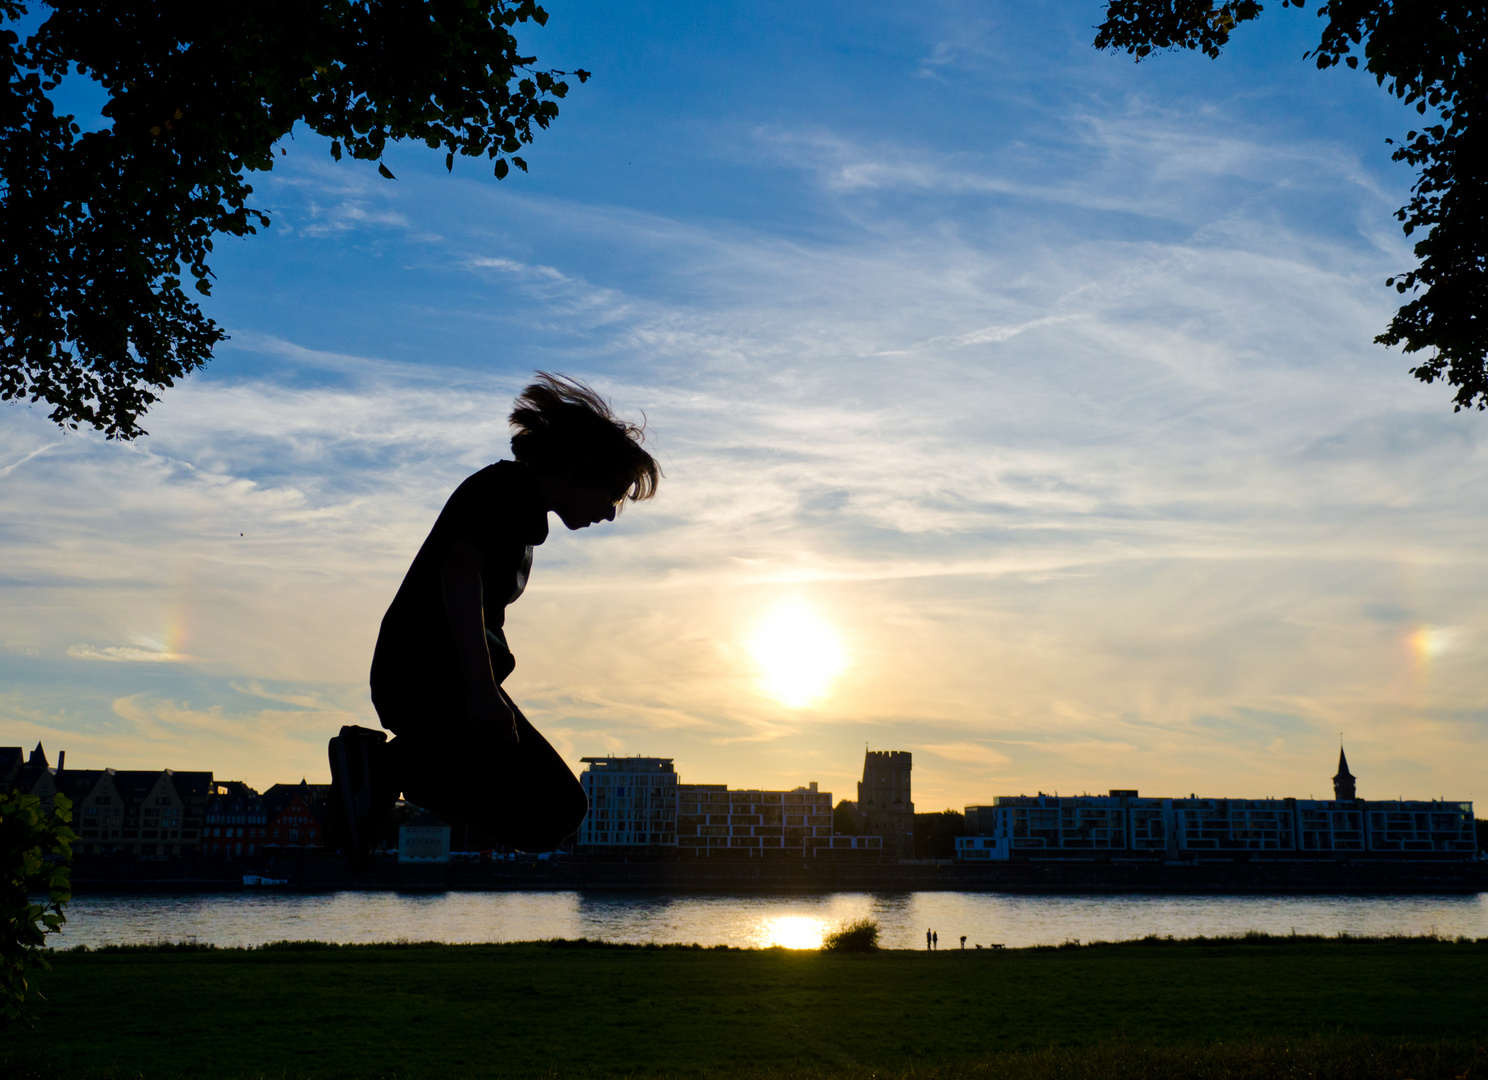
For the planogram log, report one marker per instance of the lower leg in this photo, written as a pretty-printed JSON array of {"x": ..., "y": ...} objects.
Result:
[{"x": 522, "y": 795}]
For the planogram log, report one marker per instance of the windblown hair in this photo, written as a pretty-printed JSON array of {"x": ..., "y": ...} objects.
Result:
[{"x": 562, "y": 424}]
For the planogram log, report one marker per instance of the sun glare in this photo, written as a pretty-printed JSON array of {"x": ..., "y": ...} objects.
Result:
[
  {"x": 792, "y": 932},
  {"x": 798, "y": 654}
]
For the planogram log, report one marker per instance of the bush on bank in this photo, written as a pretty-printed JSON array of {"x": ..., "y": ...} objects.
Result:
[
  {"x": 35, "y": 849},
  {"x": 860, "y": 935}
]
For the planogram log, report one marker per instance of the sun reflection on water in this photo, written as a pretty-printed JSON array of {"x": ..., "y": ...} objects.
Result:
[{"x": 792, "y": 932}]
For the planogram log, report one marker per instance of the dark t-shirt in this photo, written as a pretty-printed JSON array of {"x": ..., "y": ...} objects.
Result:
[{"x": 415, "y": 668}]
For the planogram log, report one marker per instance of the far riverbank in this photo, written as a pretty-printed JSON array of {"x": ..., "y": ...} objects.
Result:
[{"x": 794, "y": 876}]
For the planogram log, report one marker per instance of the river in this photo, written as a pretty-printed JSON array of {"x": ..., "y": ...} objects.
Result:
[{"x": 749, "y": 921}]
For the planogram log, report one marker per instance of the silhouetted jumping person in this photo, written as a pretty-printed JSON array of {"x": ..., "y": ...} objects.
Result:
[{"x": 463, "y": 749}]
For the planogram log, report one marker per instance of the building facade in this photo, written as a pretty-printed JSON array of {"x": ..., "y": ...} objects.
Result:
[
  {"x": 236, "y": 822},
  {"x": 1122, "y": 825},
  {"x": 140, "y": 813},
  {"x": 713, "y": 820},
  {"x": 884, "y": 801},
  {"x": 632, "y": 803},
  {"x": 296, "y": 817},
  {"x": 97, "y": 811},
  {"x": 424, "y": 839}
]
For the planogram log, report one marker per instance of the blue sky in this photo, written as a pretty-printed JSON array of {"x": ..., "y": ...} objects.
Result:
[{"x": 1043, "y": 379}]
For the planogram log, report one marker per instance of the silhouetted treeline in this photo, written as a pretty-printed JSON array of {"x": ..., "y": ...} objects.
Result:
[{"x": 935, "y": 834}]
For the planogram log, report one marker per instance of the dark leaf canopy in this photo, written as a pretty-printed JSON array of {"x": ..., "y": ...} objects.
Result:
[
  {"x": 1431, "y": 55},
  {"x": 99, "y": 229}
]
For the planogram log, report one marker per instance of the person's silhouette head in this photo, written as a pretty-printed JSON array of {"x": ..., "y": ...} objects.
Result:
[{"x": 588, "y": 460}]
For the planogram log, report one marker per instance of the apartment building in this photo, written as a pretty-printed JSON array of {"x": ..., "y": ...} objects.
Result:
[
  {"x": 711, "y": 819},
  {"x": 236, "y": 821},
  {"x": 296, "y": 816},
  {"x": 632, "y": 803},
  {"x": 1124, "y": 825}
]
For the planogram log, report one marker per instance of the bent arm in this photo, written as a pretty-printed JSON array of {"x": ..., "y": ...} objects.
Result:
[{"x": 464, "y": 605}]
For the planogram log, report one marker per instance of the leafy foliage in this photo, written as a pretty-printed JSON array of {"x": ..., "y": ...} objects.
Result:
[
  {"x": 935, "y": 834},
  {"x": 860, "y": 935},
  {"x": 35, "y": 846},
  {"x": 99, "y": 228},
  {"x": 846, "y": 819},
  {"x": 1429, "y": 55}
]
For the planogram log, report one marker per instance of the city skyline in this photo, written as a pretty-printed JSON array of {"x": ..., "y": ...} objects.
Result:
[
  {"x": 55, "y": 760},
  {"x": 1018, "y": 406}
]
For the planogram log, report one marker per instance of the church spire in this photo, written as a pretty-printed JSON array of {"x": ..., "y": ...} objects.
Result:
[{"x": 1343, "y": 783}]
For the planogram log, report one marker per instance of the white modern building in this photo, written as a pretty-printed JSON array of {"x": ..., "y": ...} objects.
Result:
[
  {"x": 425, "y": 839},
  {"x": 1112, "y": 827},
  {"x": 1124, "y": 825},
  {"x": 632, "y": 803}
]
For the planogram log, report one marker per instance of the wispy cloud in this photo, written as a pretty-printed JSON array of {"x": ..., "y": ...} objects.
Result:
[
  {"x": 128, "y": 654},
  {"x": 1090, "y": 503},
  {"x": 14, "y": 465}
]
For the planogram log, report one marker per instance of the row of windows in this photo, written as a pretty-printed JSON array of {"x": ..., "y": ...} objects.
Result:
[
  {"x": 762, "y": 842},
  {"x": 627, "y": 838},
  {"x": 1317, "y": 833},
  {"x": 233, "y": 848},
  {"x": 751, "y": 830},
  {"x": 776, "y": 818},
  {"x": 620, "y": 782},
  {"x": 757, "y": 800}
]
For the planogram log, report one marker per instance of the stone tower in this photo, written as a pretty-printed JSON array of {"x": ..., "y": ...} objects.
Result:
[
  {"x": 1343, "y": 783},
  {"x": 884, "y": 802}
]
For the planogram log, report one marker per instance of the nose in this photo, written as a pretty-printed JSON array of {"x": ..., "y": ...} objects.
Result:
[{"x": 611, "y": 515}]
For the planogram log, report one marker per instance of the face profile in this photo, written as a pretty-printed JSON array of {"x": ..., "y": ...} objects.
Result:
[{"x": 579, "y": 505}]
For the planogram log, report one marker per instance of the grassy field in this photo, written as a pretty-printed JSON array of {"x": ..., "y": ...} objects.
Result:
[{"x": 1246, "y": 1007}]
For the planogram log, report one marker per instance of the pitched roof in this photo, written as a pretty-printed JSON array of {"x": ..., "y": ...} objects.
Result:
[
  {"x": 192, "y": 783},
  {"x": 280, "y": 795},
  {"x": 248, "y": 803},
  {"x": 28, "y": 776},
  {"x": 77, "y": 784},
  {"x": 135, "y": 784}
]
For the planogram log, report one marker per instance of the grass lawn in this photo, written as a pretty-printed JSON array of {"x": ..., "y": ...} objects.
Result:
[{"x": 1246, "y": 1007}]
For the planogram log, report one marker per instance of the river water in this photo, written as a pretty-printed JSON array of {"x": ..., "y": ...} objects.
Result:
[{"x": 749, "y": 921}]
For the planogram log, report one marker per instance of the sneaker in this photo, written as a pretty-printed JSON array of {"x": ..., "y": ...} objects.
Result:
[{"x": 358, "y": 796}]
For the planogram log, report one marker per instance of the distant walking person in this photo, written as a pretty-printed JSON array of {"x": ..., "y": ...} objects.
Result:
[
  {"x": 935, "y": 940},
  {"x": 463, "y": 749},
  {"x": 927, "y": 940}
]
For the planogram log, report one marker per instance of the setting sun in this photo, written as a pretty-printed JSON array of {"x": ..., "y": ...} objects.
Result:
[
  {"x": 798, "y": 654},
  {"x": 791, "y": 932}
]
